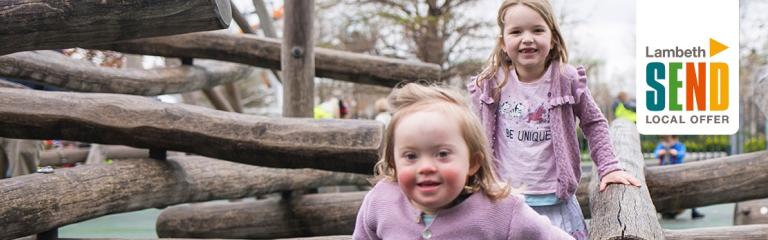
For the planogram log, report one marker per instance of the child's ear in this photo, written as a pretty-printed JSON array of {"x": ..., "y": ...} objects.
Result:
[{"x": 475, "y": 163}]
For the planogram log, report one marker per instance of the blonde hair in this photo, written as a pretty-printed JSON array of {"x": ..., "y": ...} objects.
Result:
[
  {"x": 500, "y": 59},
  {"x": 413, "y": 98}
]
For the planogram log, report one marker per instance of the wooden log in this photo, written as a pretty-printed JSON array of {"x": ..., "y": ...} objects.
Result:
[
  {"x": 702, "y": 183},
  {"x": 297, "y": 57},
  {"x": 746, "y": 232},
  {"x": 55, "y": 69},
  {"x": 301, "y": 216},
  {"x": 37, "y": 202},
  {"x": 54, "y": 24},
  {"x": 265, "y": 20},
  {"x": 751, "y": 212},
  {"x": 335, "y": 144},
  {"x": 624, "y": 211},
  {"x": 265, "y": 52},
  {"x": 56, "y": 157},
  {"x": 241, "y": 21}
]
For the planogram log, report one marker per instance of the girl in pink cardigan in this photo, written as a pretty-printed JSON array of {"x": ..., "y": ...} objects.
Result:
[
  {"x": 436, "y": 180},
  {"x": 528, "y": 99}
]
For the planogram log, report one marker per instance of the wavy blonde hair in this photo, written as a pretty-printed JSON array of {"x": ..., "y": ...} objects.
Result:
[
  {"x": 500, "y": 59},
  {"x": 413, "y": 98}
]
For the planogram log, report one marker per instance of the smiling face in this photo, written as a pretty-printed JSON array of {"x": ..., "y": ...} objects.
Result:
[
  {"x": 527, "y": 38},
  {"x": 432, "y": 160}
]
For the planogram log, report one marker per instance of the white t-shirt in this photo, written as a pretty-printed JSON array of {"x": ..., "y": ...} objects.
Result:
[{"x": 524, "y": 136}]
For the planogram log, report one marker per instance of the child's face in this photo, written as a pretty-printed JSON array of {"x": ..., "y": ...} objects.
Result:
[
  {"x": 431, "y": 159},
  {"x": 527, "y": 37}
]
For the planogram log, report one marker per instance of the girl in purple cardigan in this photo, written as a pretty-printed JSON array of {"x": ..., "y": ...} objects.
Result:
[
  {"x": 436, "y": 180},
  {"x": 528, "y": 99}
]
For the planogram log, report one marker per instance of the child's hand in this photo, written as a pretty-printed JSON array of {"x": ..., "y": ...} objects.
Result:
[
  {"x": 618, "y": 177},
  {"x": 661, "y": 152},
  {"x": 673, "y": 152}
]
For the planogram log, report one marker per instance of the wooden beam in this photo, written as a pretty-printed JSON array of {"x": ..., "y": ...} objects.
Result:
[
  {"x": 265, "y": 53},
  {"x": 301, "y": 216},
  {"x": 624, "y": 211},
  {"x": 744, "y": 232},
  {"x": 701, "y": 183},
  {"x": 265, "y": 20},
  {"x": 337, "y": 145},
  {"x": 297, "y": 57},
  {"x": 57, "y": 157},
  {"x": 35, "y": 203},
  {"x": 55, "y": 69},
  {"x": 54, "y": 24},
  {"x": 241, "y": 21}
]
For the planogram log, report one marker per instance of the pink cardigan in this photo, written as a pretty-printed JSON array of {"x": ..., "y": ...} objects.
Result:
[
  {"x": 386, "y": 213},
  {"x": 569, "y": 98}
]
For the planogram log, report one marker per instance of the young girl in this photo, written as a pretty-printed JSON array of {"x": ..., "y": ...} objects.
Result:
[
  {"x": 528, "y": 99},
  {"x": 436, "y": 179}
]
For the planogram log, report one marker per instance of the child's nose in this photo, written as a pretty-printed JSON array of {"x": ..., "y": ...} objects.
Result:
[{"x": 427, "y": 167}]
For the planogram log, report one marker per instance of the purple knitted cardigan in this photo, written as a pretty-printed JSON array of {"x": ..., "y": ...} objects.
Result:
[
  {"x": 569, "y": 98},
  {"x": 386, "y": 213}
]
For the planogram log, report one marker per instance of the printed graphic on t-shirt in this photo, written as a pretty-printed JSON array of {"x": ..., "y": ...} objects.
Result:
[{"x": 528, "y": 121}]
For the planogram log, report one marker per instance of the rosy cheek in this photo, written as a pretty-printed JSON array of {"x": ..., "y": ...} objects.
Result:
[
  {"x": 454, "y": 178},
  {"x": 406, "y": 178}
]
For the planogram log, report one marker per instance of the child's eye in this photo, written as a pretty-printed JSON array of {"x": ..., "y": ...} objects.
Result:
[
  {"x": 442, "y": 154},
  {"x": 410, "y": 156},
  {"x": 539, "y": 30},
  {"x": 514, "y": 32}
]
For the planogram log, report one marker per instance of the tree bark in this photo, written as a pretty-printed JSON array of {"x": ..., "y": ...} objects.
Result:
[
  {"x": 55, "y": 69},
  {"x": 701, "y": 183},
  {"x": 302, "y": 216},
  {"x": 265, "y": 52},
  {"x": 54, "y": 24},
  {"x": 746, "y": 232},
  {"x": 624, "y": 211},
  {"x": 337, "y": 145},
  {"x": 38, "y": 202}
]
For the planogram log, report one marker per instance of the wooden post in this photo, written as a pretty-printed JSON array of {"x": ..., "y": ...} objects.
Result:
[
  {"x": 241, "y": 21},
  {"x": 267, "y": 27},
  {"x": 298, "y": 59},
  {"x": 265, "y": 21},
  {"x": 624, "y": 211}
]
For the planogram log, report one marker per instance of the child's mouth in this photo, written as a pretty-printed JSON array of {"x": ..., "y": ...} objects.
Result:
[
  {"x": 528, "y": 50},
  {"x": 428, "y": 185}
]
